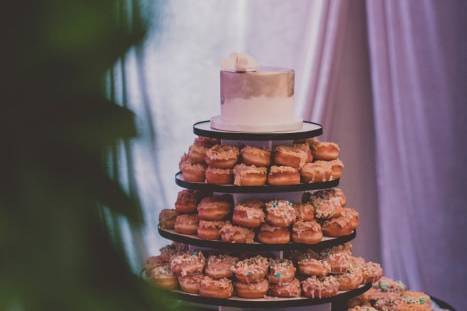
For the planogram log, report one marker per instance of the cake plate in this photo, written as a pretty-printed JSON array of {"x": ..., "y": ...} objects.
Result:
[
  {"x": 327, "y": 242},
  {"x": 252, "y": 189}
]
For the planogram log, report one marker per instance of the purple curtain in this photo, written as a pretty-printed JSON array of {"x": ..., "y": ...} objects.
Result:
[{"x": 418, "y": 61}]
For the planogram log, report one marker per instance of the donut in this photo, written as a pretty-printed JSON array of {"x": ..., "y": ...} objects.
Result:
[
  {"x": 153, "y": 262},
  {"x": 273, "y": 235},
  {"x": 280, "y": 213},
  {"x": 188, "y": 263},
  {"x": 314, "y": 287},
  {"x": 286, "y": 290},
  {"x": 349, "y": 280},
  {"x": 362, "y": 308},
  {"x": 290, "y": 156},
  {"x": 186, "y": 202},
  {"x": 249, "y": 214},
  {"x": 209, "y": 229},
  {"x": 315, "y": 172},
  {"x": 414, "y": 301},
  {"x": 167, "y": 218},
  {"x": 221, "y": 288},
  {"x": 186, "y": 224},
  {"x": 215, "y": 207},
  {"x": 236, "y": 234},
  {"x": 167, "y": 252},
  {"x": 163, "y": 277},
  {"x": 283, "y": 175},
  {"x": 337, "y": 169},
  {"x": 371, "y": 272},
  {"x": 352, "y": 215},
  {"x": 249, "y": 175},
  {"x": 312, "y": 266},
  {"x": 251, "y": 270},
  {"x": 342, "y": 248},
  {"x": 326, "y": 204},
  {"x": 192, "y": 172},
  {"x": 306, "y": 148},
  {"x": 340, "y": 262},
  {"x": 197, "y": 153},
  {"x": 281, "y": 271},
  {"x": 222, "y": 156},
  {"x": 252, "y": 290},
  {"x": 387, "y": 285},
  {"x": 340, "y": 194},
  {"x": 219, "y": 176},
  {"x": 388, "y": 302},
  {"x": 326, "y": 151},
  {"x": 336, "y": 227},
  {"x": 307, "y": 232},
  {"x": 220, "y": 266},
  {"x": 256, "y": 156},
  {"x": 207, "y": 142},
  {"x": 304, "y": 211},
  {"x": 190, "y": 283}
]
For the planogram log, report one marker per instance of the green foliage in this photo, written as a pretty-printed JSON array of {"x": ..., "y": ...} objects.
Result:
[{"x": 56, "y": 128}]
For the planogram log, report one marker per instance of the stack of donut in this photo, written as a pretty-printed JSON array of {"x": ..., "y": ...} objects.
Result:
[
  {"x": 305, "y": 273},
  {"x": 323, "y": 213},
  {"x": 307, "y": 161},
  {"x": 387, "y": 294}
]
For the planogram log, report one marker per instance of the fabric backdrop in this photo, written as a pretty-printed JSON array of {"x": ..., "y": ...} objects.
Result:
[{"x": 385, "y": 78}]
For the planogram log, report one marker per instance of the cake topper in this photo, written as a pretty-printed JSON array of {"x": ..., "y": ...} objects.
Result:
[{"x": 239, "y": 62}]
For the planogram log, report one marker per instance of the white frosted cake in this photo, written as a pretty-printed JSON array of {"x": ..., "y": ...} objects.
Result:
[{"x": 255, "y": 99}]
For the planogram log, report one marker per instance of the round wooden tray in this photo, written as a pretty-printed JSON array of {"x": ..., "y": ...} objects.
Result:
[
  {"x": 270, "y": 301},
  {"x": 252, "y": 189},
  {"x": 309, "y": 129},
  {"x": 327, "y": 242}
]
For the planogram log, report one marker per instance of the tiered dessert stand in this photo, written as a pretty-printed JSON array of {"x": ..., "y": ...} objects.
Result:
[{"x": 292, "y": 192}]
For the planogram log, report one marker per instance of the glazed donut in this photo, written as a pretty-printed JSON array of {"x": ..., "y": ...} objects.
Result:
[
  {"x": 305, "y": 148},
  {"x": 163, "y": 277},
  {"x": 256, "y": 156},
  {"x": 290, "y": 156},
  {"x": 307, "y": 232},
  {"x": 249, "y": 214},
  {"x": 386, "y": 285},
  {"x": 249, "y": 175},
  {"x": 312, "y": 266},
  {"x": 197, "y": 153},
  {"x": 252, "y": 290},
  {"x": 186, "y": 224},
  {"x": 326, "y": 204},
  {"x": 167, "y": 218},
  {"x": 286, "y": 290},
  {"x": 236, "y": 234},
  {"x": 325, "y": 287},
  {"x": 362, "y": 308},
  {"x": 215, "y": 207},
  {"x": 340, "y": 262},
  {"x": 167, "y": 252},
  {"x": 188, "y": 263},
  {"x": 153, "y": 262},
  {"x": 340, "y": 194},
  {"x": 210, "y": 287},
  {"x": 316, "y": 172},
  {"x": 222, "y": 156},
  {"x": 251, "y": 270},
  {"x": 326, "y": 151},
  {"x": 280, "y": 213},
  {"x": 273, "y": 235},
  {"x": 349, "y": 280},
  {"x": 219, "y": 176},
  {"x": 281, "y": 271},
  {"x": 304, "y": 211},
  {"x": 342, "y": 248},
  {"x": 207, "y": 142},
  {"x": 192, "y": 172},
  {"x": 190, "y": 283},
  {"x": 371, "y": 271},
  {"x": 414, "y": 301},
  {"x": 337, "y": 168},
  {"x": 220, "y": 266},
  {"x": 186, "y": 202},
  {"x": 388, "y": 302},
  {"x": 210, "y": 229},
  {"x": 352, "y": 215},
  {"x": 336, "y": 227},
  {"x": 283, "y": 175}
]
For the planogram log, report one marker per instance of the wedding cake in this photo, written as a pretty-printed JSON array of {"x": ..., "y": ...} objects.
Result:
[{"x": 255, "y": 99}]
